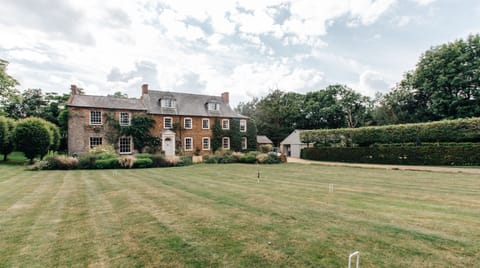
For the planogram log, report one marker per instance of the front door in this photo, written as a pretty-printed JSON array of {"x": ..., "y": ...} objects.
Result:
[{"x": 168, "y": 142}]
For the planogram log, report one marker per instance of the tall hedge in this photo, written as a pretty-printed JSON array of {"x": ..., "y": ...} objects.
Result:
[
  {"x": 460, "y": 130},
  {"x": 403, "y": 155}
]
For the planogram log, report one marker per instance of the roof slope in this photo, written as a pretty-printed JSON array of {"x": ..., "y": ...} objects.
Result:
[
  {"x": 293, "y": 138},
  {"x": 263, "y": 140},
  {"x": 107, "y": 102},
  {"x": 187, "y": 104}
]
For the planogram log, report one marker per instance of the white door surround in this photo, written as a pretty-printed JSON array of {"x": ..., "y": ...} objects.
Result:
[{"x": 168, "y": 142}]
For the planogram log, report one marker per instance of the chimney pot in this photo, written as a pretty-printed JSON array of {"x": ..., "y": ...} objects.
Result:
[
  {"x": 73, "y": 89},
  {"x": 225, "y": 98},
  {"x": 144, "y": 89}
]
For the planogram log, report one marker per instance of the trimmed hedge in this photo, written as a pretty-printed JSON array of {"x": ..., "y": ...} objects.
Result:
[
  {"x": 460, "y": 130},
  {"x": 405, "y": 155}
]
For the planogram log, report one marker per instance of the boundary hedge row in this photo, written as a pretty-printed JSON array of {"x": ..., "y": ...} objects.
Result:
[
  {"x": 460, "y": 130},
  {"x": 409, "y": 155}
]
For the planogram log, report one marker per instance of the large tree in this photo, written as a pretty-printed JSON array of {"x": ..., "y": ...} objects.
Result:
[{"x": 444, "y": 85}]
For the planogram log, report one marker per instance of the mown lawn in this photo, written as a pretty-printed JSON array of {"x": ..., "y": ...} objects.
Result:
[{"x": 221, "y": 216}]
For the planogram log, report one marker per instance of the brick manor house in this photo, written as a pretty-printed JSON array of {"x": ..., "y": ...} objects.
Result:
[{"x": 194, "y": 114}]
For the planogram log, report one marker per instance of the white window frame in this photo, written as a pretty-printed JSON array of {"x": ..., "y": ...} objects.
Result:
[
  {"x": 213, "y": 106},
  {"x": 167, "y": 103},
  {"x": 228, "y": 143},
  {"x": 208, "y": 123},
  {"x": 90, "y": 142},
  {"x": 243, "y": 123},
  {"x": 171, "y": 122},
  {"x": 96, "y": 123},
  {"x": 185, "y": 144},
  {"x": 120, "y": 118},
  {"x": 120, "y": 145},
  {"x": 185, "y": 123},
  {"x": 228, "y": 124},
  {"x": 244, "y": 143},
  {"x": 203, "y": 144}
]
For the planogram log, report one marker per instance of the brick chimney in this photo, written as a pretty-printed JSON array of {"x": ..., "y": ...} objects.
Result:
[
  {"x": 225, "y": 98},
  {"x": 144, "y": 89},
  {"x": 73, "y": 88}
]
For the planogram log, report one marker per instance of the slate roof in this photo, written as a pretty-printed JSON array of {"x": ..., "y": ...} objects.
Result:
[
  {"x": 186, "y": 104},
  {"x": 263, "y": 140},
  {"x": 293, "y": 138},
  {"x": 107, "y": 102}
]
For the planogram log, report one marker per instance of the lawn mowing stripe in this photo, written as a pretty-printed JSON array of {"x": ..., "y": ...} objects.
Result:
[
  {"x": 44, "y": 230},
  {"x": 16, "y": 188},
  {"x": 161, "y": 236},
  {"x": 16, "y": 222},
  {"x": 74, "y": 245}
]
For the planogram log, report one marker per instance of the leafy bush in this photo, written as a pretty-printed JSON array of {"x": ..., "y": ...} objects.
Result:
[
  {"x": 250, "y": 157},
  {"x": 107, "y": 163},
  {"x": 33, "y": 137},
  {"x": 87, "y": 161},
  {"x": 102, "y": 149},
  {"x": 406, "y": 155},
  {"x": 185, "y": 161},
  {"x": 141, "y": 156},
  {"x": 272, "y": 158},
  {"x": 261, "y": 158},
  {"x": 160, "y": 161},
  {"x": 143, "y": 163},
  {"x": 265, "y": 148},
  {"x": 126, "y": 161},
  {"x": 460, "y": 130},
  {"x": 60, "y": 163}
]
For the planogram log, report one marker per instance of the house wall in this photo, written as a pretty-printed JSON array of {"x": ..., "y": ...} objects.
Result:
[
  {"x": 80, "y": 130},
  {"x": 197, "y": 133}
]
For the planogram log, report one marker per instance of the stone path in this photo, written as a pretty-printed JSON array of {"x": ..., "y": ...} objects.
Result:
[{"x": 391, "y": 167}]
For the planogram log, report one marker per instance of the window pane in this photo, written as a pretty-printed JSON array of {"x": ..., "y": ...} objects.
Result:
[
  {"x": 125, "y": 145},
  {"x": 205, "y": 123},
  {"x": 188, "y": 144},
  {"x": 188, "y": 123},
  {"x": 95, "y": 118},
  {"x": 167, "y": 122},
  {"x": 95, "y": 141},
  {"x": 243, "y": 125},
  {"x": 124, "y": 119},
  {"x": 244, "y": 143},
  {"x": 226, "y": 143},
  {"x": 225, "y": 124},
  {"x": 206, "y": 144}
]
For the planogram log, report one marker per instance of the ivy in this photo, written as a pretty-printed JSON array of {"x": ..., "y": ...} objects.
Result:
[
  {"x": 251, "y": 135},
  {"x": 234, "y": 134},
  {"x": 217, "y": 134}
]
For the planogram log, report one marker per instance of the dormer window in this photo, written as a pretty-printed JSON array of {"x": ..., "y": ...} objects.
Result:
[
  {"x": 213, "y": 106},
  {"x": 167, "y": 103}
]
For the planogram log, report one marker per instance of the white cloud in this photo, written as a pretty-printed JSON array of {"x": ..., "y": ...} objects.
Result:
[
  {"x": 371, "y": 82},
  {"x": 424, "y": 2}
]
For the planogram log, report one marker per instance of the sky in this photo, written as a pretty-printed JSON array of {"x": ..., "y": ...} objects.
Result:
[{"x": 246, "y": 48}]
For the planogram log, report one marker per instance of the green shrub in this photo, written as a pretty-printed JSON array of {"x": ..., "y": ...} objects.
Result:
[
  {"x": 102, "y": 149},
  {"x": 460, "y": 130},
  {"x": 265, "y": 148},
  {"x": 160, "y": 161},
  {"x": 60, "y": 163},
  {"x": 126, "y": 161},
  {"x": 33, "y": 137},
  {"x": 107, "y": 163},
  {"x": 87, "y": 161},
  {"x": 272, "y": 158},
  {"x": 185, "y": 161},
  {"x": 140, "y": 156},
  {"x": 104, "y": 156},
  {"x": 250, "y": 157},
  {"x": 405, "y": 155},
  {"x": 143, "y": 163}
]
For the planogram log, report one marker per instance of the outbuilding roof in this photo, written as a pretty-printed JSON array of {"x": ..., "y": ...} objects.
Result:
[
  {"x": 263, "y": 140},
  {"x": 293, "y": 138}
]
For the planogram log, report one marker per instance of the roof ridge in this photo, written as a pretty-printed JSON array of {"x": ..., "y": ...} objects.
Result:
[{"x": 183, "y": 93}]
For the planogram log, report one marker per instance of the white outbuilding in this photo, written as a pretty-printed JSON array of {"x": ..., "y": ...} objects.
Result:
[{"x": 291, "y": 145}]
